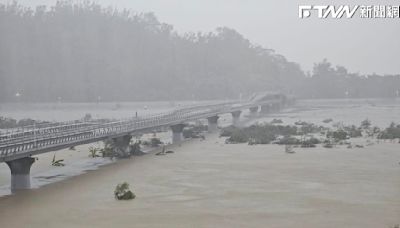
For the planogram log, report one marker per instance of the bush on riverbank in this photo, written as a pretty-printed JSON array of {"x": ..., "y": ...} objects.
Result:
[
  {"x": 153, "y": 142},
  {"x": 276, "y": 121},
  {"x": 6, "y": 122},
  {"x": 194, "y": 131},
  {"x": 392, "y": 132},
  {"x": 311, "y": 142},
  {"x": 337, "y": 135},
  {"x": 288, "y": 140},
  {"x": 353, "y": 131}
]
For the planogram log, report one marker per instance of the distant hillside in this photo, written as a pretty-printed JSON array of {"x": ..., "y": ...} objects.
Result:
[
  {"x": 85, "y": 53},
  {"x": 80, "y": 52}
]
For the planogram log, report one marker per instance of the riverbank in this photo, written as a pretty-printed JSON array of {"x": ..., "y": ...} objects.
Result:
[{"x": 212, "y": 184}]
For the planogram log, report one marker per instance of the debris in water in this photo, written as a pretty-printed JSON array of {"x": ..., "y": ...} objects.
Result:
[
  {"x": 55, "y": 162},
  {"x": 122, "y": 192},
  {"x": 289, "y": 149}
]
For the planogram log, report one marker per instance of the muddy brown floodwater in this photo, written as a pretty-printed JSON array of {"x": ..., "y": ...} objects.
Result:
[{"x": 212, "y": 184}]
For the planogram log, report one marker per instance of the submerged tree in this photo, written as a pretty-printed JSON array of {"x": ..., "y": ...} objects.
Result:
[{"x": 122, "y": 192}]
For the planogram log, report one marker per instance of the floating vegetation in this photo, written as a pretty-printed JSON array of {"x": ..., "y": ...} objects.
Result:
[
  {"x": 122, "y": 192},
  {"x": 58, "y": 162},
  {"x": 327, "y": 120},
  {"x": 93, "y": 152}
]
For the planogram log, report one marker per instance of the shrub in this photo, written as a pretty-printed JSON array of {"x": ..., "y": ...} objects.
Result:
[
  {"x": 155, "y": 142},
  {"x": 338, "y": 135},
  {"x": 365, "y": 124},
  {"x": 353, "y": 131},
  {"x": 238, "y": 136},
  {"x": 93, "y": 152},
  {"x": 122, "y": 192},
  {"x": 7, "y": 122},
  {"x": 392, "y": 132},
  {"x": 87, "y": 117},
  {"x": 194, "y": 131},
  {"x": 327, "y": 120},
  {"x": 227, "y": 131},
  {"x": 328, "y": 145},
  {"x": 287, "y": 140},
  {"x": 26, "y": 122},
  {"x": 276, "y": 121}
]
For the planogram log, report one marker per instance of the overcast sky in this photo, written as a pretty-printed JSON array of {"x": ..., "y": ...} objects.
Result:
[{"x": 362, "y": 45}]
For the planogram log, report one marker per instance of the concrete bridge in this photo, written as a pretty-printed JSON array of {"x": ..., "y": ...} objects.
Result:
[{"x": 17, "y": 149}]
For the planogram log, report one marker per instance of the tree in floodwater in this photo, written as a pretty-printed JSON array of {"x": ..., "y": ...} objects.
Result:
[{"x": 122, "y": 192}]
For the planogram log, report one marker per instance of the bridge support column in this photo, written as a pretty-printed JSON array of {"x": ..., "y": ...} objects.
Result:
[
  {"x": 122, "y": 146},
  {"x": 253, "y": 111},
  {"x": 212, "y": 124},
  {"x": 265, "y": 109},
  {"x": 236, "y": 118},
  {"x": 20, "y": 173},
  {"x": 177, "y": 133}
]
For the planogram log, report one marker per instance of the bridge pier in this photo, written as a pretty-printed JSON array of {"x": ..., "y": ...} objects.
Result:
[
  {"x": 121, "y": 146},
  {"x": 177, "y": 133},
  {"x": 212, "y": 123},
  {"x": 236, "y": 118},
  {"x": 20, "y": 173},
  {"x": 254, "y": 111}
]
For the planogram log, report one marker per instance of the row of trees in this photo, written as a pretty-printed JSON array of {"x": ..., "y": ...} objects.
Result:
[
  {"x": 336, "y": 82},
  {"x": 84, "y": 52}
]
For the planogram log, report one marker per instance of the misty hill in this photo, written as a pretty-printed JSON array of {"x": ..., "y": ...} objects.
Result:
[
  {"x": 82, "y": 51},
  {"x": 85, "y": 52}
]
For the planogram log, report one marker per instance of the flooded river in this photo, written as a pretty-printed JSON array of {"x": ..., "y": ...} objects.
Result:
[{"x": 212, "y": 184}]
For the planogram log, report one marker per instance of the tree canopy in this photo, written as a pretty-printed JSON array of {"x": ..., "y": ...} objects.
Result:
[{"x": 83, "y": 52}]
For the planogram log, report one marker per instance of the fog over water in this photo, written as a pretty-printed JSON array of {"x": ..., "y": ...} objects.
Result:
[{"x": 210, "y": 183}]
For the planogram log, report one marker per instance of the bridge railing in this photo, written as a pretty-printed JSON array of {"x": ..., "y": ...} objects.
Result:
[{"x": 42, "y": 139}]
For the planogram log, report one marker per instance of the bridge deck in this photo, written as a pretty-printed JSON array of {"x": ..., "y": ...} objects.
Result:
[{"x": 45, "y": 138}]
